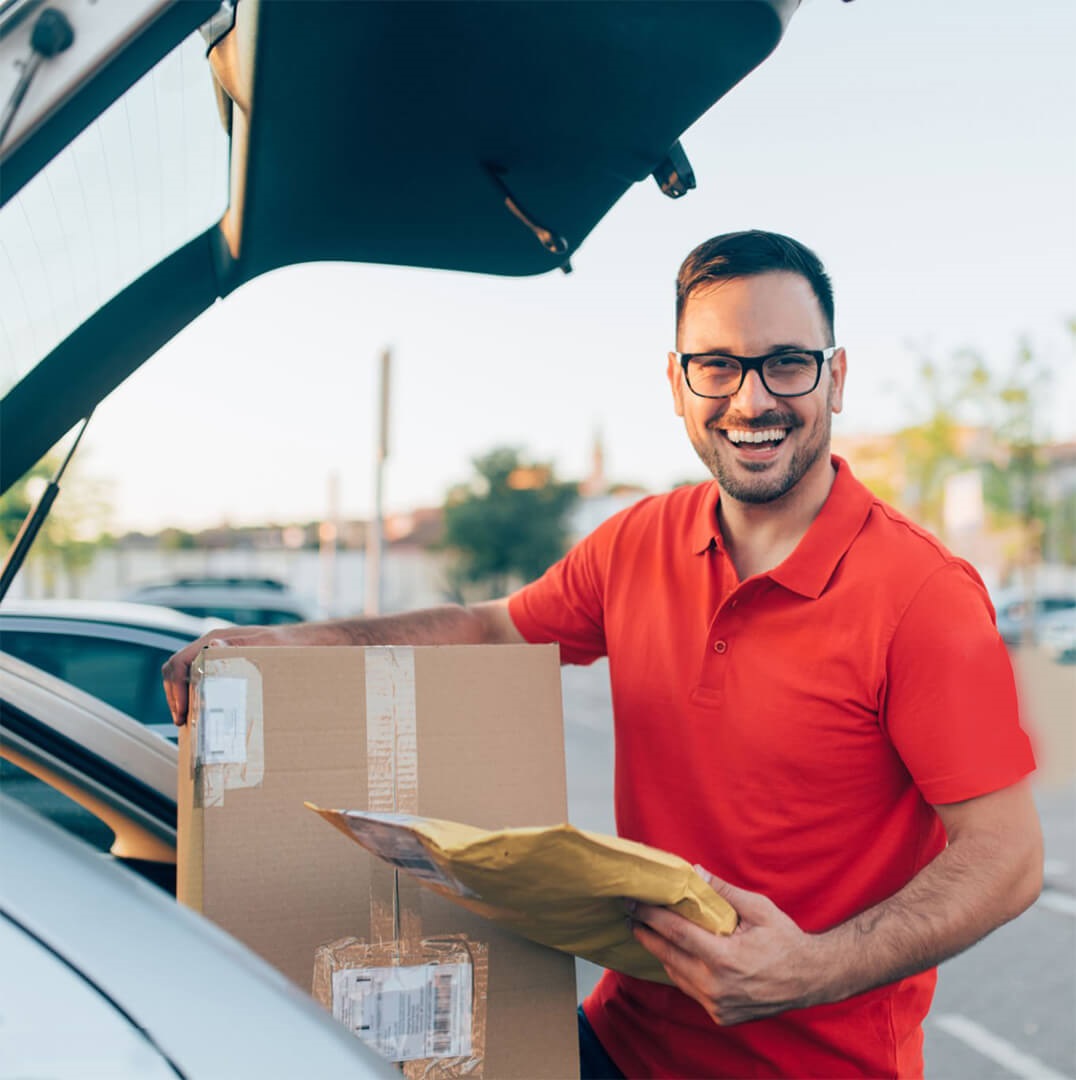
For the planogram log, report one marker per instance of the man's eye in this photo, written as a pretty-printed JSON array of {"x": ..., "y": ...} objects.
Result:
[
  {"x": 790, "y": 362},
  {"x": 717, "y": 363}
]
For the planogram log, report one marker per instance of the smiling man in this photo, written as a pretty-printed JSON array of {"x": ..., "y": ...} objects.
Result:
[{"x": 812, "y": 704}]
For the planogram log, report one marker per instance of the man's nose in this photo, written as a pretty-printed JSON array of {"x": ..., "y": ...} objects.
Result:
[{"x": 753, "y": 398}]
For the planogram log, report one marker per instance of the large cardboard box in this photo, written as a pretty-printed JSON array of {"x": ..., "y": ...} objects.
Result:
[{"x": 468, "y": 733}]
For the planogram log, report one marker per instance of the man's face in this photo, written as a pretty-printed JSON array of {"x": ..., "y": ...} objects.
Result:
[{"x": 753, "y": 316}]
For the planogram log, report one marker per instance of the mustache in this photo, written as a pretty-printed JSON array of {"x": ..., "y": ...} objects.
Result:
[{"x": 757, "y": 423}]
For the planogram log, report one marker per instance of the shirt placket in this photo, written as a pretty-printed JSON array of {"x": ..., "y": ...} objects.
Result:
[{"x": 718, "y": 647}]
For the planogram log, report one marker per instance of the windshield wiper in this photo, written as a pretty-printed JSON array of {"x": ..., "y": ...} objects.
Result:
[
  {"x": 30, "y": 526},
  {"x": 51, "y": 35}
]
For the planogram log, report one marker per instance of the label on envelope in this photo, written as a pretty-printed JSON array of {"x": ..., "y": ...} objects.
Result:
[{"x": 376, "y": 832}]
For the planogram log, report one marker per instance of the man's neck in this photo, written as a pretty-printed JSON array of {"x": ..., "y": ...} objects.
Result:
[{"x": 760, "y": 536}]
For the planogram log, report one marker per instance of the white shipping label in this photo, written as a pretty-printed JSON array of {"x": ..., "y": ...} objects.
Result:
[
  {"x": 407, "y": 1013},
  {"x": 223, "y": 722}
]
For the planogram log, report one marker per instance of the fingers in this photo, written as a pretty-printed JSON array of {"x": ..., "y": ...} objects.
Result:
[
  {"x": 688, "y": 972},
  {"x": 674, "y": 928},
  {"x": 176, "y": 674},
  {"x": 748, "y": 905}
]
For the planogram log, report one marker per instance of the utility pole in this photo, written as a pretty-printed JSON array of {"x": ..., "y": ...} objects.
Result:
[
  {"x": 328, "y": 537},
  {"x": 375, "y": 543}
]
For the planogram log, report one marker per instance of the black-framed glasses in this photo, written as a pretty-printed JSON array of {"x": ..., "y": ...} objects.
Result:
[{"x": 785, "y": 373}]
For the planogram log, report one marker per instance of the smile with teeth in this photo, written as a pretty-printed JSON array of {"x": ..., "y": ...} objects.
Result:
[{"x": 743, "y": 435}]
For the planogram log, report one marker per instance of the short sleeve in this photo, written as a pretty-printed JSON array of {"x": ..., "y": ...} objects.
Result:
[
  {"x": 566, "y": 604},
  {"x": 951, "y": 706}
]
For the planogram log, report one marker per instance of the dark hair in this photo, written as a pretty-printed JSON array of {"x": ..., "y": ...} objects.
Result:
[{"x": 743, "y": 254}]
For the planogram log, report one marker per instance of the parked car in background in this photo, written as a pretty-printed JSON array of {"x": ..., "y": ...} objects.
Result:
[
  {"x": 138, "y": 986},
  {"x": 1014, "y": 619},
  {"x": 111, "y": 650},
  {"x": 250, "y": 601},
  {"x": 1057, "y": 635}
]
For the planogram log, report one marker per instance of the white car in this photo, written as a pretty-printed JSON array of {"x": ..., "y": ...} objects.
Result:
[
  {"x": 103, "y": 975},
  {"x": 245, "y": 601},
  {"x": 1057, "y": 635},
  {"x": 111, "y": 650}
]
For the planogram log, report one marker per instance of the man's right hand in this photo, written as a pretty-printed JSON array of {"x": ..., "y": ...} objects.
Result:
[
  {"x": 177, "y": 671},
  {"x": 488, "y": 623}
]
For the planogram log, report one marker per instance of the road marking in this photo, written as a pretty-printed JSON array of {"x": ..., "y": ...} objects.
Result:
[
  {"x": 996, "y": 1048},
  {"x": 1056, "y": 900}
]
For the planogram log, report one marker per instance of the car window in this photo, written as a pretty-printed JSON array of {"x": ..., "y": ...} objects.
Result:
[
  {"x": 54, "y": 805},
  {"x": 124, "y": 674},
  {"x": 1059, "y": 603},
  {"x": 270, "y": 618},
  {"x": 150, "y": 174},
  {"x": 241, "y": 616}
]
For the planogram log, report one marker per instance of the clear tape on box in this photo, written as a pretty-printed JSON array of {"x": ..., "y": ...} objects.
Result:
[
  {"x": 419, "y": 1002},
  {"x": 226, "y": 728}
]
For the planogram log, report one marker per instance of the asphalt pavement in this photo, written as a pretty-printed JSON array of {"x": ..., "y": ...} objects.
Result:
[{"x": 1005, "y": 1008}]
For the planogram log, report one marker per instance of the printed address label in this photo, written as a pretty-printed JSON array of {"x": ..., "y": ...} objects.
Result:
[{"x": 407, "y": 1013}]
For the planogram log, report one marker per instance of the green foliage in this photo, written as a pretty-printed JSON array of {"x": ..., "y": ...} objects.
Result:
[
  {"x": 74, "y": 528},
  {"x": 509, "y": 524},
  {"x": 975, "y": 418}
]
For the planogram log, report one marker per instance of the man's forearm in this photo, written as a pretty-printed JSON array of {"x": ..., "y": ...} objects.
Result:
[
  {"x": 977, "y": 883},
  {"x": 476, "y": 624},
  {"x": 449, "y": 624}
]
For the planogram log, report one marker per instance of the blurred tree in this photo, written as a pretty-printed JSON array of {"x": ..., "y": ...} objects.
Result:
[
  {"x": 173, "y": 539},
  {"x": 73, "y": 530},
  {"x": 975, "y": 418},
  {"x": 508, "y": 524}
]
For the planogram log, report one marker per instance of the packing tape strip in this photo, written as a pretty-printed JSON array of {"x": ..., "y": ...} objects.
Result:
[
  {"x": 226, "y": 727},
  {"x": 391, "y": 766}
]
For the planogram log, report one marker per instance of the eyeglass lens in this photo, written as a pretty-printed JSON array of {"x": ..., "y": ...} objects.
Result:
[{"x": 786, "y": 374}]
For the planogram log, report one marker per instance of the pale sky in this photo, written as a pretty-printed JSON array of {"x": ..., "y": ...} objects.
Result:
[{"x": 925, "y": 150}]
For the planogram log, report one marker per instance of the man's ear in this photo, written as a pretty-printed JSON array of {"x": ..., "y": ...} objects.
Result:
[
  {"x": 675, "y": 374},
  {"x": 838, "y": 373}
]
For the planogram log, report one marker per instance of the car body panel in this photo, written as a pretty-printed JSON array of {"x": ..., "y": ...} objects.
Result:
[{"x": 156, "y": 962}]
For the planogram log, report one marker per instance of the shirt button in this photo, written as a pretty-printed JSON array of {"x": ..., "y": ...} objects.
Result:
[{"x": 720, "y": 646}]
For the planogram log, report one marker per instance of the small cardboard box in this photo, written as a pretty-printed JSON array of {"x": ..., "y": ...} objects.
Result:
[{"x": 468, "y": 733}]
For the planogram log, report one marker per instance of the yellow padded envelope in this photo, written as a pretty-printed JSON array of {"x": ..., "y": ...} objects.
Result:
[{"x": 559, "y": 886}]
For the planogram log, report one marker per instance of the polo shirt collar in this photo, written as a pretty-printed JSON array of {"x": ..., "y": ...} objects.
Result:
[
  {"x": 705, "y": 534},
  {"x": 808, "y": 569}
]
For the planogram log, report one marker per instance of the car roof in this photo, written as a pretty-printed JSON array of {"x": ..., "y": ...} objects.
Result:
[
  {"x": 111, "y": 612},
  {"x": 480, "y": 136}
]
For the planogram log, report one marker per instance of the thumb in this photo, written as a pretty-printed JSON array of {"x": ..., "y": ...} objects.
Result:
[{"x": 751, "y": 906}]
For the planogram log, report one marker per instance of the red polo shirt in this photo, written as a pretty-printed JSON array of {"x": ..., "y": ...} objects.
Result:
[{"x": 789, "y": 733}]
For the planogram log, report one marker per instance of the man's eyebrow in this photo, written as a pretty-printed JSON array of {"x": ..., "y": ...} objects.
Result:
[{"x": 716, "y": 351}]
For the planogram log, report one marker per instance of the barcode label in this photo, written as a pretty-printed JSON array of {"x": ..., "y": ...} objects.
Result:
[
  {"x": 223, "y": 722},
  {"x": 407, "y": 1013}
]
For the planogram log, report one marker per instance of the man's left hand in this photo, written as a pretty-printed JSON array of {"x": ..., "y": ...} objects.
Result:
[{"x": 766, "y": 966}]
